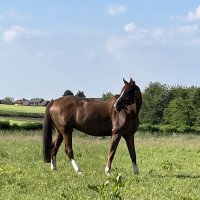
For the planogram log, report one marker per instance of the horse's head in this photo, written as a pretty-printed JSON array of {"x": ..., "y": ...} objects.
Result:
[{"x": 127, "y": 96}]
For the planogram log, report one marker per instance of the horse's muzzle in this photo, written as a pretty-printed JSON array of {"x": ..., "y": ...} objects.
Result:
[{"x": 117, "y": 108}]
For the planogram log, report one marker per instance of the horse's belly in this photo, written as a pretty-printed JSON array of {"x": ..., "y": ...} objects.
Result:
[
  {"x": 97, "y": 133},
  {"x": 93, "y": 121},
  {"x": 95, "y": 129}
]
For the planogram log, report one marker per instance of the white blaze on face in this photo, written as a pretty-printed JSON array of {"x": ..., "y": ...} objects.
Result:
[{"x": 119, "y": 98}]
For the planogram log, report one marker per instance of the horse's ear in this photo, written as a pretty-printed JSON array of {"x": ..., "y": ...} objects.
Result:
[
  {"x": 125, "y": 82},
  {"x": 132, "y": 82}
]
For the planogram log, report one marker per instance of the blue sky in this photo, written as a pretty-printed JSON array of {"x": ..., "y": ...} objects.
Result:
[{"x": 49, "y": 46}]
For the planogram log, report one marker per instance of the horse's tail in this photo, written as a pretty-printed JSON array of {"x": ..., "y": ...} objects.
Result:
[{"x": 47, "y": 134}]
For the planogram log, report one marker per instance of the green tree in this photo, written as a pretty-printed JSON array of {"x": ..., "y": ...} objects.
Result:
[
  {"x": 106, "y": 96},
  {"x": 8, "y": 100},
  {"x": 80, "y": 94},
  {"x": 178, "y": 91},
  {"x": 178, "y": 112},
  {"x": 194, "y": 98},
  {"x": 155, "y": 98},
  {"x": 68, "y": 92}
]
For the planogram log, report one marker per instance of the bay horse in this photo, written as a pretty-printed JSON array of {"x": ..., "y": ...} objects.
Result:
[{"x": 116, "y": 117}]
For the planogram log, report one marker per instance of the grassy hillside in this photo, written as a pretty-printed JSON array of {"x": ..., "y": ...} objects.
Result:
[
  {"x": 21, "y": 117},
  {"x": 22, "y": 111}
]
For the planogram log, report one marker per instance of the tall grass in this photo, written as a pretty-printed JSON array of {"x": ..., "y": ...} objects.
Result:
[{"x": 169, "y": 168}]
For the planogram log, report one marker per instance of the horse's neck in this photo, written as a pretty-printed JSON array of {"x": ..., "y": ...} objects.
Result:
[
  {"x": 132, "y": 109},
  {"x": 135, "y": 108}
]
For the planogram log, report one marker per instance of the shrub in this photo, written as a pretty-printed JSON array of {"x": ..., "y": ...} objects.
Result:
[
  {"x": 5, "y": 125},
  {"x": 31, "y": 126},
  {"x": 196, "y": 130},
  {"x": 184, "y": 129},
  {"x": 148, "y": 128},
  {"x": 167, "y": 128}
]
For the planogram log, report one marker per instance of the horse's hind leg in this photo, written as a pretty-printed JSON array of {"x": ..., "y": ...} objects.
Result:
[
  {"x": 129, "y": 138},
  {"x": 58, "y": 138},
  {"x": 69, "y": 150}
]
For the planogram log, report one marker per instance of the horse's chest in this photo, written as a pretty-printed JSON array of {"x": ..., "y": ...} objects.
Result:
[{"x": 125, "y": 123}]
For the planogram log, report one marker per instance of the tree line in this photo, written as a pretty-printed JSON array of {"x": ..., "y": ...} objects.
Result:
[
  {"x": 165, "y": 108},
  {"x": 170, "y": 109},
  {"x": 104, "y": 96}
]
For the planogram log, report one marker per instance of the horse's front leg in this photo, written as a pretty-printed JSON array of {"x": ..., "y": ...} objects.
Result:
[
  {"x": 115, "y": 141},
  {"x": 129, "y": 138}
]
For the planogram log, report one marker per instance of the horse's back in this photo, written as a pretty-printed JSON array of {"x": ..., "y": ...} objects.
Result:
[{"x": 87, "y": 115}]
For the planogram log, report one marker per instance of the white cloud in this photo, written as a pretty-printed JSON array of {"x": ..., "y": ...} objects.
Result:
[
  {"x": 196, "y": 42},
  {"x": 114, "y": 43},
  {"x": 193, "y": 15},
  {"x": 18, "y": 32},
  {"x": 158, "y": 37},
  {"x": 113, "y": 9},
  {"x": 193, "y": 42},
  {"x": 188, "y": 29},
  {"x": 130, "y": 27},
  {"x": 14, "y": 33}
]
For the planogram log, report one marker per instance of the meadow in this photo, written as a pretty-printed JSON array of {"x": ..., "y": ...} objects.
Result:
[
  {"x": 21, "y": 117},
  {"x": 22, "y": 111},
  {"x": 169, "y": 169}
]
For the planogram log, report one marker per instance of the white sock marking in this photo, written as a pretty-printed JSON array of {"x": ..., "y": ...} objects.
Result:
[
  {"x": 107, "y": 170},
  {"x": 53, "y": 164},
  {"x": 75, "y": 166}
]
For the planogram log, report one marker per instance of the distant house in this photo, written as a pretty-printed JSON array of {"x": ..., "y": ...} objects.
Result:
[
  {"x": 26, "y": 103},
  {"x": 38, "y": 102},
  {"x": 44, "y": 103},
  {"x": 22, "y": 102},
  {"x": 32, "y": 102}
]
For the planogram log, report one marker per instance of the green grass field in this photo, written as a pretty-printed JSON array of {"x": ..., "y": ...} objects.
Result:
[
  {"x": 21, "y": 115},
  {"x": 22, "y": 111},
  {"x": 169, "y": 169}
]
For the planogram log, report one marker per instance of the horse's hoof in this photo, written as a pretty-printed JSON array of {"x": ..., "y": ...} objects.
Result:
[
  {"x": 108, "y": 173},
  {"x": 79, "y": 173},
  {"x": 137, "y": 173}
]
